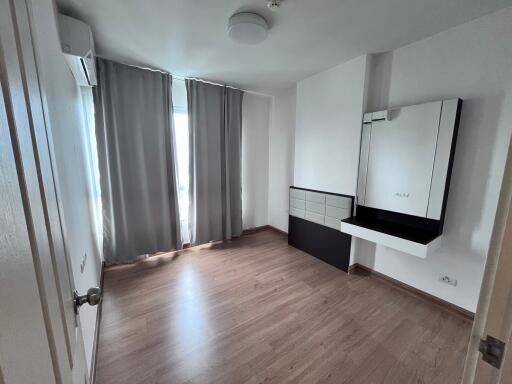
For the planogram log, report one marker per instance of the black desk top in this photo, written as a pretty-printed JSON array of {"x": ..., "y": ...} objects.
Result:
[{"x": 394, "y": 229}]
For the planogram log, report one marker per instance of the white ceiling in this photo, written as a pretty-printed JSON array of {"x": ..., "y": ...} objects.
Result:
[{"x": 189, "y": 38}]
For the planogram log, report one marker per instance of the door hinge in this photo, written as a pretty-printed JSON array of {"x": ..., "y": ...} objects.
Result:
[{"x": 492, "y": 351}]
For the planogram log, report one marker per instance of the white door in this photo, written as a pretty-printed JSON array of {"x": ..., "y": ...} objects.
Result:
[{"x": 40, "y": 338}]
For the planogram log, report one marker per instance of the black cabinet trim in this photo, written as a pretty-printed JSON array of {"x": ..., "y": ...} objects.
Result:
[
  {"x": 450, "y": 164},
  {"x": 325, "y": 193}
]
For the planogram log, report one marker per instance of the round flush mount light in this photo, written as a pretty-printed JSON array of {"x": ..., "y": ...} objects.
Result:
[
  {"x": 274, "y": 4},
  {"x": 247, "y": 28}
]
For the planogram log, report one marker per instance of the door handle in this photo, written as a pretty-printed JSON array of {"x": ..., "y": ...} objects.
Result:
[{"x": 93, "y": 297}]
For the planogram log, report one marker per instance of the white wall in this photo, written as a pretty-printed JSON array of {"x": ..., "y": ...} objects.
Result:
[
  {"x": 472, "y": 61},
  {"x": 70, "y": 141},
  {"x": 281, "y": 148},
  {"x": 328, "y": 128},
  {"x": 255, "y": 158}
]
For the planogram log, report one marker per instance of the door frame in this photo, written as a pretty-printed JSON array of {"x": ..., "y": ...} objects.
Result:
[{"x": 494, "y": 311}]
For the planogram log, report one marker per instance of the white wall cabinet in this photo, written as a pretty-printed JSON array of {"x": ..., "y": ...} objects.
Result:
[
  {"x": 405, "y": 164},
  {"x": 404, "y": 159}
]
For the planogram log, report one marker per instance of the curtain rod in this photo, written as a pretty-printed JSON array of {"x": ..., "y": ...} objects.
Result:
[{"x": 181, "y": 77}]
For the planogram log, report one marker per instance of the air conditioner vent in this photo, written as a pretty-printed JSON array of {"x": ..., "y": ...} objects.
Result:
[{"x": 78, "y": 48}]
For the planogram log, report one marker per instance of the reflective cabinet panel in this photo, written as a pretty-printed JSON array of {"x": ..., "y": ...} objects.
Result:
[{"x": 403, "y": 152}]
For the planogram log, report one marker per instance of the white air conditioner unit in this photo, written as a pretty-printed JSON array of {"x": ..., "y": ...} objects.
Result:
[
  {"x": 78, "y": 48},
  {"x": 377, "y": 116}
]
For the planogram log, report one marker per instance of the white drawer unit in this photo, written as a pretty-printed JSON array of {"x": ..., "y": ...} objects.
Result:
[
  {"x": 337, "y": 213},
  {"x": 297, "y": 194},
  {"x": 297, "y": 212},
  {"x": 332, "y": 223},
  {"x": 315, "y": 217},
  {"x": 297, "y": 203},
  {"x": 319, "y": 207},
  {"x": 315, "y": 197},
  {"x": 315, "y": 225},
  {"x": 315, "y": 207},
  {"x": 339, "y": 201}
]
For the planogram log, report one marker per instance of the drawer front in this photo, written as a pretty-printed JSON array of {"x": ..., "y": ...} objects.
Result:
[
  {"x": 332, "y": 223},
  {"x": 315, "y": 197},
  {"x": 297, "y": 212},
  {"x": 297, "y": 194},
  {"x": 315, "y": 217},
  {"x": 337, "y": 213},
  {"x": 315, "y": 207},
  {"x": 338, "y": 201},
  {"x": 297, "y": 203}
]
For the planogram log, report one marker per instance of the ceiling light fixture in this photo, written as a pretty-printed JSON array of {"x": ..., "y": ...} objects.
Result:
[
  {"x": 247, "y": 28},
  {"x": 273, "y": 4}
]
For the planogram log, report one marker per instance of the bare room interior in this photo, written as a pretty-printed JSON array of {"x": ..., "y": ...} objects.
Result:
[{"x": 256, "y": 192}]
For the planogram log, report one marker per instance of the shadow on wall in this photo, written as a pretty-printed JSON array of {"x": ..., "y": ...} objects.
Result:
[
  {"x": 379, "y": 81},
  {"x": 365, "y": 251},
  {"x": 471, "y": 204}
]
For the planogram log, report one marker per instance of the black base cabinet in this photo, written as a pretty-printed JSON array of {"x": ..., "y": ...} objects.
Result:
[{"x": 327, "y": 244}]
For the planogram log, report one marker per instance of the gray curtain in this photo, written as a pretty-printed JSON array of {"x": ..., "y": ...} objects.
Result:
[
  {"x": 133, "y": 111},
  {"x": 215, "y": 122}
]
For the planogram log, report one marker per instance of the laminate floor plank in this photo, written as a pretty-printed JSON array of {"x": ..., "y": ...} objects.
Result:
[{"x": 256, "y": 310}]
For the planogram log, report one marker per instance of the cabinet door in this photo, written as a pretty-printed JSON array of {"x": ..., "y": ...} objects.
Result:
[{"x": 400, "y": 159}]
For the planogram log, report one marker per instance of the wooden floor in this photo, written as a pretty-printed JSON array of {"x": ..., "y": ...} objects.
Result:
[{"x": 259, "y": 311}]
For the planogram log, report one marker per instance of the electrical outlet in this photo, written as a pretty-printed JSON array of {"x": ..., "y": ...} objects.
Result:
[
  {"x": 448, "y": 280},
  {"x": 82, "y": 264}
]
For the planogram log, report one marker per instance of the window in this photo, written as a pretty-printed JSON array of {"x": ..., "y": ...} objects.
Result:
[
  {"x": 92, "y": 163},
  {"x": 180, "y": 114}
]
